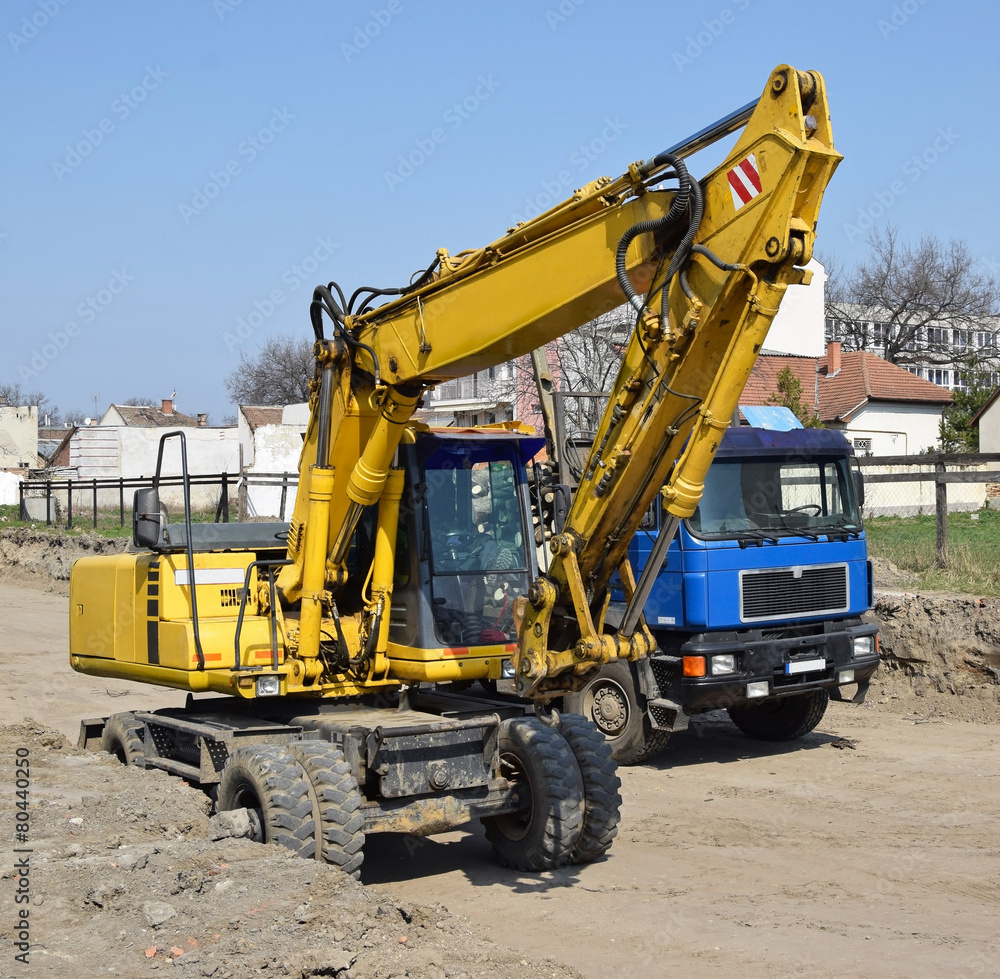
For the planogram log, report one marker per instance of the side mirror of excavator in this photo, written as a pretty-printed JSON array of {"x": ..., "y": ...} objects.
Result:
[{"x": 146, "y": 518}]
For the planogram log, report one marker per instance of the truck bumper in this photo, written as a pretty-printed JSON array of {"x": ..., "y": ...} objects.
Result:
[{"x": 769, "y": 666}]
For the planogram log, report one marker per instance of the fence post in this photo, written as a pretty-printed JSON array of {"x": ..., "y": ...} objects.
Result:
[
  {"x": 223, "y": 508},
  {"x": 121, "y": 501},
  {"x": 241, "y": 497},
  {"x": 48, "y": 503},
  {"x": 95, "y": 503},
  {"x": 941, "y": 508},
  {"x": 22, "y": 510},
  {"x": 69, "y": 504},
  {"x": 284, "y": 494}
]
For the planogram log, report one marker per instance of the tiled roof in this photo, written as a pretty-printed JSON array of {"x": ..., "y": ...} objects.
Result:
[
  {"x": 257, "y": 415},
  {"x": 142, "y": 416},
  {"x": 863, "y": 377},
  {"x": 763, "y": 380}
]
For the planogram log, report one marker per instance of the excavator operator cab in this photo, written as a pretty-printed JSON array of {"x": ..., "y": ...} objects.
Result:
[{"x": 465, "y": 548}]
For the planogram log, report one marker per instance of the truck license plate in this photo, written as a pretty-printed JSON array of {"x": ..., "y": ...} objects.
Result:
[{"x": 805, "y": 666}]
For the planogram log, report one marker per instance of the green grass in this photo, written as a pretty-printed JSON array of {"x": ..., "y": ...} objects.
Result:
[
  {"x": 83, "y": 522},
  {"x": 973, "y": 550}
]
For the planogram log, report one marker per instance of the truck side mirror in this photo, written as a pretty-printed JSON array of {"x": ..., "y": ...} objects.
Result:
[
  {"x": 859, "y": 487},
  {"x": 146, "y": 518}
]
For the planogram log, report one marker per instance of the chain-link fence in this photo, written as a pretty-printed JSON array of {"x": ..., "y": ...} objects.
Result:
[{"x": 937, "y": 485}]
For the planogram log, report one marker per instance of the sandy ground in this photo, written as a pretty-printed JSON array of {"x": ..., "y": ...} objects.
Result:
[{"x": 868, "y": 848}]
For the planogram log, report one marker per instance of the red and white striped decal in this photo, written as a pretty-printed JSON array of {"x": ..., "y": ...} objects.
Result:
[{"x": 744, "y": 181}]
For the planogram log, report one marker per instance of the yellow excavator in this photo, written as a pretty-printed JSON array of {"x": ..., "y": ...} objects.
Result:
[{"x": 323, "y": 651}]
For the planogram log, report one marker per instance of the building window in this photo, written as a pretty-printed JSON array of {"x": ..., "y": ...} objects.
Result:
[
  {"x": 863, "y": 445},
  {"x": 937, "y": 376}
]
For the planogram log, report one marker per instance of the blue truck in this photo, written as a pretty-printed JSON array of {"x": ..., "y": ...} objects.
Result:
[{"x": 757, "y": 609}]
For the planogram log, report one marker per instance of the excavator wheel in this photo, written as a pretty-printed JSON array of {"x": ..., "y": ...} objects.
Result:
[
  {"x": 338, "y": 800},
  {"x": 122, "y": 738},
  {"x": 544, "y": 834},
  {"x": 781, "y": 720},
  {"x": 601, "y": 784},
  {"x": 611, "y": 701},
  {"x": 270, "y": 783}
]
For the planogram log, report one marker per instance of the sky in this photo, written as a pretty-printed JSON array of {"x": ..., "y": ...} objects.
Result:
[{"x": 178, "y": 175}]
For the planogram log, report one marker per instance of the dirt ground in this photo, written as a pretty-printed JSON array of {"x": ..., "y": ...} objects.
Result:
[{"x": 868, "y": 848}]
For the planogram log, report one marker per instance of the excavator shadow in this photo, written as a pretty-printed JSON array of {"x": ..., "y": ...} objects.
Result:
[{"x": 392, "y": 857}]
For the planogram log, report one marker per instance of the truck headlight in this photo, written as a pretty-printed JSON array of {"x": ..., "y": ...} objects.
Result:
[
  {"x": 725, "y": 663},
  {"x": 268, "y": 686},
  {"x": 759, "y": 688},
  {"x": 864, "y": 645},
  {"x": 845, "y": 676}
]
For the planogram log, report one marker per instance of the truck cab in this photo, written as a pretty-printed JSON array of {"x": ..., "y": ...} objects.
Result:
[{"x": 758, "y": 606}]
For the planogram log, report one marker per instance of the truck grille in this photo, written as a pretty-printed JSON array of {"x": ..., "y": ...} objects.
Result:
[{"x": 792, "y": 592}]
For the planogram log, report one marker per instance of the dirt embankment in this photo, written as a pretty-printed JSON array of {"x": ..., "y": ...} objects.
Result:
[
  {"x": 33, "y": 558},
  {"x": 940, "y": 652}
]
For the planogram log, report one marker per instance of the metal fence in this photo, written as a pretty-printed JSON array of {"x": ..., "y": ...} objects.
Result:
[{"x": 105, "y": 502}]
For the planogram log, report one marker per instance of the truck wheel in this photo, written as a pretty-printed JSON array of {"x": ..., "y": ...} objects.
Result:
[
  {"x": 601, "y": 785},
  {"x": 269, "y": 781},
  {"x": 122, "y": 738},
  {"x": 782, "y": 719},
  {"x": 338, "y": 800},
  {"x": 543, "y": 835},
  {"x": 611, "y": 701}
]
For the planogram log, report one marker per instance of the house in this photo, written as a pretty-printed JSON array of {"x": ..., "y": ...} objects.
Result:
[
  {"x": 270, "y": 441},
  {"x": 18, "y": 437},
  {"x": 988, "y": 420},
  {"x": 149, "y": 416},
  {"x": 53, "y": 446},
  {"x": 883, "y": 409},
  {"x": 479, "y": 399},
  {"x": 127, "y": 442}
]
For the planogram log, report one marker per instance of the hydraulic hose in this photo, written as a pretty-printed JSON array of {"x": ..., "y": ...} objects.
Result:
[{"x": 677, "y": 207}]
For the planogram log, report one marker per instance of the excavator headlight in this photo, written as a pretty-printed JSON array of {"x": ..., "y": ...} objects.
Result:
[
  {"x": 268, "y": 685},
  {"x": 507, "y": 670}
]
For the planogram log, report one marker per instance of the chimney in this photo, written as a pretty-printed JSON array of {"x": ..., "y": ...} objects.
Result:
[
  {"x": 168, "y": 406},
  {"x": 202, "y": 419},
  {"x": 832, "y": 358}
]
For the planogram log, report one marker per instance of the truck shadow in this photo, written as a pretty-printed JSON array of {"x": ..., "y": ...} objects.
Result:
[{"x": 712, "y": 739}]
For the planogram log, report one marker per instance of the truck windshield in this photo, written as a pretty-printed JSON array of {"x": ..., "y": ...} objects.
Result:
[
  {"x": 776, "y": 497},
  {"x": 477, "y": 542}
]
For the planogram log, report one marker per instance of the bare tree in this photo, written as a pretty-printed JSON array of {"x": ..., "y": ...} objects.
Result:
[
  {"x": 15, "y": 396},
  {"x": 587, "y": 361},
  {"x": 279, "y": 374},
  {"x": 925, "y": 305}
]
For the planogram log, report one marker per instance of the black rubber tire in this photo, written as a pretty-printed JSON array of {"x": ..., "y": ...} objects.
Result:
[
  {"x": 123, "y": 738},
  {"x": 611, "y": 701},
  {"x": 601, "y": 787},
  {"x": 338, "y": 804},
  {"x": 543, "y": 836},
  {"x": 782, "y": 719},
  {"x": 268, "y": 780}
]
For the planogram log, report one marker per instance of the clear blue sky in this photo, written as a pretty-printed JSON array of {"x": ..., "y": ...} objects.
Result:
[{"x": 129, "y": 261}]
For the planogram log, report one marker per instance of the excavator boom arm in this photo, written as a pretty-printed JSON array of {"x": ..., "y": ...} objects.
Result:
[{"x": 704, "y": 265}]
